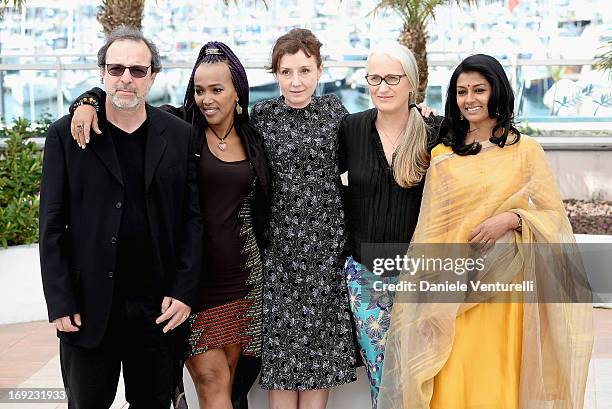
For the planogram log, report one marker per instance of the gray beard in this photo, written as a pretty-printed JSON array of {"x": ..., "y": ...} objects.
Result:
[{"x": 123, "y": 106}]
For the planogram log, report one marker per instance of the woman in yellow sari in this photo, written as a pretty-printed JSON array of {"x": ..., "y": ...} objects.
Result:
[{"x": 487, "y": 184}]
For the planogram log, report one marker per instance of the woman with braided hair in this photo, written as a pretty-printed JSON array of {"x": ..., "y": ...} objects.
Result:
[{"x": 225, "y": 324}]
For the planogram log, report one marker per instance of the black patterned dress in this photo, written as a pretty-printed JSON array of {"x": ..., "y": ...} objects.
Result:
[{"x": 306, "y": 334}]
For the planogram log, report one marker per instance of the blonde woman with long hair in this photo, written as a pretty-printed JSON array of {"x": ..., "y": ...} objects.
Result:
[{"x": 386, "y": 153}]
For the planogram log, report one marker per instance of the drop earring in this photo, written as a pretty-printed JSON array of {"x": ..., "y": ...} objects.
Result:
[
  {"x": 461, "y": 117},
  {"x": 238, "y": 108}
]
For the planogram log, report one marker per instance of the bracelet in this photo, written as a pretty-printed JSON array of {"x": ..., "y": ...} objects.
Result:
[
  {"x": 91, "y": 101},
  {"x": 519, "y": 227}
]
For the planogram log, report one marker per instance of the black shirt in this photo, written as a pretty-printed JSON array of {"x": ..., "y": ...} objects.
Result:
[
  {"x": 134, "y": 251},
  {"x": 377, "y": 209}
]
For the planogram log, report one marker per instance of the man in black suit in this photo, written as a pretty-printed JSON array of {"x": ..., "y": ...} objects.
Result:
[{"x": 120, "y": 238}]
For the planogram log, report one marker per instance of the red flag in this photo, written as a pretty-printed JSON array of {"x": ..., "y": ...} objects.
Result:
[{"x": 512, "y": 4}]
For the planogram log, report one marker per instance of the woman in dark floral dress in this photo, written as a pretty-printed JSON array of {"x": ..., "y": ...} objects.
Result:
[{"x": 307, "y": 339}]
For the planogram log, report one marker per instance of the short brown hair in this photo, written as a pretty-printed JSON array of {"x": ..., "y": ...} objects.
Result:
[{"x": 295, "y": 40}]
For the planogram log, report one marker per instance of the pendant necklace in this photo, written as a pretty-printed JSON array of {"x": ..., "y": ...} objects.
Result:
[
  {"x": 393, "y": 142},
  {"x": 222, "y": 144}
]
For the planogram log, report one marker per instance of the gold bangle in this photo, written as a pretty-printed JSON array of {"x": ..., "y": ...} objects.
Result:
[{"x": 519, "y": 227}]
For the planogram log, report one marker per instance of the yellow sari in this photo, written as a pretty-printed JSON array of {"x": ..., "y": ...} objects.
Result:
[{"x": 494, "y": 355}]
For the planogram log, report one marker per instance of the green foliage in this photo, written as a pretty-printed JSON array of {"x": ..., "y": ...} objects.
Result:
[
  {"x": 605, "y": 60},
  {"x": 20, "y": 173},
  {"x": 528, "y": 130},
  {"x": 10, "y": 3},
  {"x": 416, "y": 13},
  {"x": 556, "y": 72},
  {"x": 586, "y": 92}
]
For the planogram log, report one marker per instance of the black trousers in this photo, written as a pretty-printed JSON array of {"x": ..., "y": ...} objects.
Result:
[{"x": 149, "y": 358}]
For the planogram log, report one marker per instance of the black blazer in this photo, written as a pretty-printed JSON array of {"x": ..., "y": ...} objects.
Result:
[{"x": 80, "y": 212}]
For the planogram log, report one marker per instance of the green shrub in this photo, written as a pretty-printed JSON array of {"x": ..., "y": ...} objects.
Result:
[
  {"x": 20, "y": 172},
  {"x": 527, "y": 130}
]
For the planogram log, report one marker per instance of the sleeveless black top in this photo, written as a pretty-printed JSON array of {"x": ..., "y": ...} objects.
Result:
[{"x": 226, "y": 195}]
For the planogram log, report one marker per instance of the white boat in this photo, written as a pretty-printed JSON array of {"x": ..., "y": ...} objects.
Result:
[
  {"x": 28, "y": 85},
  {"x": 74, "y": 83}
]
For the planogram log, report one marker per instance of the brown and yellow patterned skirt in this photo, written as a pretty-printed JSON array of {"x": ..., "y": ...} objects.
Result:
[{"x": 231, "y": 323}]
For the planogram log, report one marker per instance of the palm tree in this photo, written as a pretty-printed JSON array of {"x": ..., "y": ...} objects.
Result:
[
  {"x": 416, "y": 14},
  {"x": 115, "y": 13}
]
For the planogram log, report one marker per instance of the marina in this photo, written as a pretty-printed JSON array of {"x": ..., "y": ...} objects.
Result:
[
  {"x": 550, "y": 51},
  {"x": 548, "y": 47}
]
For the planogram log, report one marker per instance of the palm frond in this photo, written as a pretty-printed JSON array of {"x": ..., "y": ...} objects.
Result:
[
  {"x": 604, "y": 62},
  {"x": 415, "y": 12},
  {"x": 429, "y": 10},
  {"x": 4, "y": 4},
  {"x": 12, "y": 3}
]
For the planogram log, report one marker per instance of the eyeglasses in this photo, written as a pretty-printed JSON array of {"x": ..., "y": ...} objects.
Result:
[
  {"x": 136, "y": 71},
  {"x": 391, "y": 79}
]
